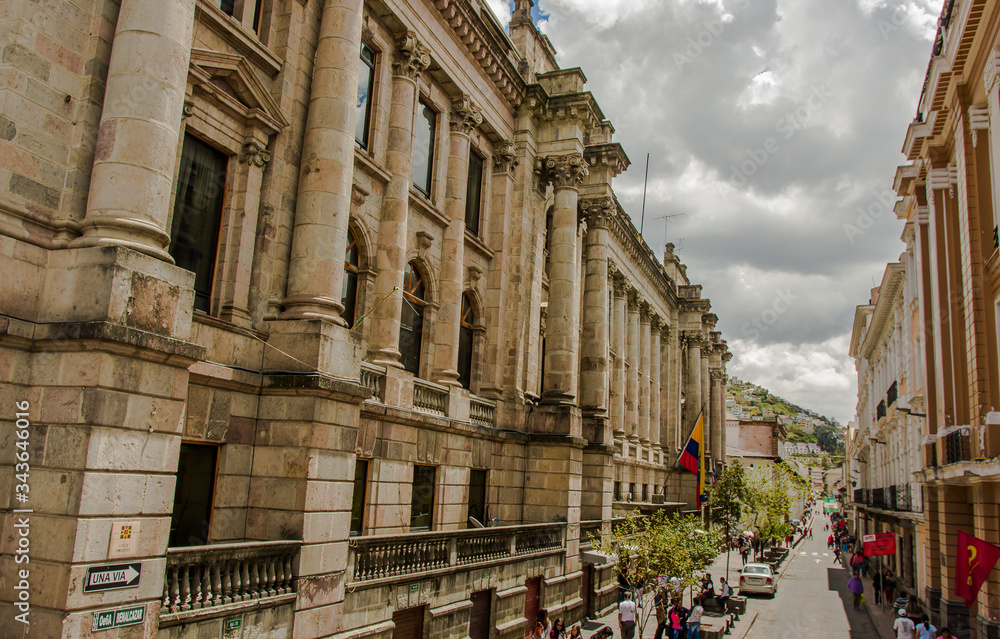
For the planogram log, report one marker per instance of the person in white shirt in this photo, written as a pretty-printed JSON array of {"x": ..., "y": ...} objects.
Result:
[
  {"x": 903, "y": 626},
  {"x": 925, "y": 629},
  {"x": 724, "y": 593},
  {"x": 626, "y": 617},
  {"x": 694, "y": 622}
]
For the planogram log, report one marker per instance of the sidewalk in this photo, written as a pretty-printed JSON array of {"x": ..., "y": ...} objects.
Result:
[{"x": 883, "y": 619}]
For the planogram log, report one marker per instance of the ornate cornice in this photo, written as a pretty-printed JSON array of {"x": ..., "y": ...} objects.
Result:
[
  {"x": 598, "y": 211},
  {"x": 465, "y": 115},
  {"x": 611, "y": 155},
  {"x": 412, "y": 57},
  {"x": 562, "y": 171},
  {"x": 505, "y": 158}
]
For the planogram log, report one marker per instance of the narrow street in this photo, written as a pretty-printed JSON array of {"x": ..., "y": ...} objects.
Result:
[{"x": 812, "y": 599}]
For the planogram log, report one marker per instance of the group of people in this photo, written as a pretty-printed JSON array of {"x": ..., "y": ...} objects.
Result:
[
  {"x": 673, "y": 620},
  {"x": 545, "y": 629}
]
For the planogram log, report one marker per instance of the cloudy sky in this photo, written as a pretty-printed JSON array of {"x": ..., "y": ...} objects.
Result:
[{"x": 770, "y": 125}]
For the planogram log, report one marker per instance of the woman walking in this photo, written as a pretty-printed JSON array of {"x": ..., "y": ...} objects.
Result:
[{"x": 857, "y": 588}]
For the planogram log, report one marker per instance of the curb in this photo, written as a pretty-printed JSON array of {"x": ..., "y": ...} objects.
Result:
[
  {"x": 878, "y": 627},
  {"x": 749, "y": 626}
]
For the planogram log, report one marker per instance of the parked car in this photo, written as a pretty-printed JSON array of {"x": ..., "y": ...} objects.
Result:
[{"x": 759, "y": 578}]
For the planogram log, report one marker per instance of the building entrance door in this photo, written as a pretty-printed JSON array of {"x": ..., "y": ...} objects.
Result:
[
  {"x": 532, "y": 603},
  {"x": 479, "y": 621},
  {"x": 409, "y": 623}
]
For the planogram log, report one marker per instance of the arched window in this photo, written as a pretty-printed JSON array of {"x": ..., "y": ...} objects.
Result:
[
  {"x": 411, "y": 324},
  {"x": 465, "y": 343},
  {"x": 349, "y": 298}
]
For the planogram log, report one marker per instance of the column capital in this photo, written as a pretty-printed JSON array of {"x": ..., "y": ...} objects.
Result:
[
  {"x": 622, "y": 286},
  {"x": 254, "y": 154},
  {"x": 412, "y": 57},
  {"x": 716, "y": 374},
  {"x": 645, "y": 312},
  {"x": 656, "y": 323},
  {"x": 505, "y": 158},
  {"x": 465, "y": 115},
  {"x": 634, "y": 299},
  {"x": 562, "y": 171},
  {"x": 597, "y": 211}
]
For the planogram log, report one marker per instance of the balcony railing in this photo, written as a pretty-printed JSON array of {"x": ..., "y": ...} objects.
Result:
[
  {"x": 373, "y": 378},
  {"x": 878, "y": 498},
  {"x": 200, "y": 578},
  {"x": 891, "y": 395},
  {"x": 482, "y": 412},
  {"x": 430, "y": 398},
  {"x": 903, "y": 498},
  {"x": 389, "y": 556},
  {"x": 859, "y": 496},
  {"x": 890, "y": 498},
  {"x": 956, "y": 446}
]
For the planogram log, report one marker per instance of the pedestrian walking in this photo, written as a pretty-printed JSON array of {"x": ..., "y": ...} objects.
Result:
[
  {"x": 558, "y": 630},
  {"x": 889, "y": 587},
  {"x": 865, "y": 565},
  {"x": 676, "y": 617},
  {"x": 829, "y": 541},
  {"x": 903, "y": 626},
  {"x": 660, "y": 602},
  {"x": 913, "y": 611},
  {"x": 575, "y": 632},
  {"x": 694, "y": 622},
  {"x": 543, "y": 616},
  {"x": 945, "y": 634},
  {"x": 626, "y": 617},
  {"x": 877, "y": 586},
  {"x": 745, "y": 554},
  {"x": 925, "y": 629},
  {"x": 857, "y": 588}
]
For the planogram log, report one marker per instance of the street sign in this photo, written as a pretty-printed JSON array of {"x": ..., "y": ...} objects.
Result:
[
  {"x": 124, "y": 539},
  {"x": 107, "y": 619},
  {"x": 234, "y": 624},
  {"x": 113, "y": 577},
  {"x": 880, "y": 544}
]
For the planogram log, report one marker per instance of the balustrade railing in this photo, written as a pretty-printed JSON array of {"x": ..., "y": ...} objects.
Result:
[
  {"x": 482, "y": 412},
  {"x": 204, "y": 577},
  {"x": 890, "y": 495},
  {"x": 859, "y": 496},
  {"x": 386, "y": 556},
  {"x": 589, "y": 529},
  {"x": 956, "y": 446},
  {"x": 903, "y": 499},
  {"x": 878, "y": 498},
  {"x": 373, "y": 378},
  {"x": 430, "y": 398}
]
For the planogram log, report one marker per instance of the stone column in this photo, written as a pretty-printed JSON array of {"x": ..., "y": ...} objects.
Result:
[
  {"x": 465, "y": 117},
  {"x": 594, "y": 346},
  {"x": 565, "y": 172},
  {"x": 501, "y": 316},
  {"x": 668, "y": 381},
  {"x": 137, "y": 140},
  {"x": 655, "y": 354},
  {"x": 692, "y": 393},
  {"x": 323, "y": 202},
  {"x": 644, "y": 378},
  {"x": 411, "y": 60},
  {"x": 618, "y": 343},
  {"x": 718, "y": 416},
  {"x": 706, "y": 402},
  {"x": 632, "y": 385}
]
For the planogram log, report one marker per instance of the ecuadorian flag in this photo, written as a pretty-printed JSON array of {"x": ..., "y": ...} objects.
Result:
[{"x": 693, "y": 456}]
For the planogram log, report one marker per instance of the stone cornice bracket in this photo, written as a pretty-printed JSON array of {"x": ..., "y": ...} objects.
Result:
[
  {"x": 412, "y": 57},
  {"x": 254, "y": 154},
  {"x": 937, "y": 179},
  {"x": 505, "y": 158},
  {"x": 726, "y": 357},
  {"x": 611, "y": 155},
  {"x": 979, "y": 120},
  {"x": 923, "y": 215},
  {"x": 563, "y": 171},
  {"x": 613, "y": 271},
  {"x": 991, "y": 70},
  {"x": 598, "y": 212},
  {"x": 465, "y": 115}
]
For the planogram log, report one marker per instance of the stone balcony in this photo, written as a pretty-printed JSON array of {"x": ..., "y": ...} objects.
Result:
[
  {"x": 225, "y": 579},
  {"x": 385, "y": 559},
  {"x": 400, "y": 389}
]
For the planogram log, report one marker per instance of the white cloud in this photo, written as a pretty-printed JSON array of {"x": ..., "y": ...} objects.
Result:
[{"x": 501, "y": 9}]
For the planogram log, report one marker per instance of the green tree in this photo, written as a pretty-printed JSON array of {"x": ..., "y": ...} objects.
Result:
[
  {"x": 724, "y": 505},
  {"x": 646, "y": 547}
]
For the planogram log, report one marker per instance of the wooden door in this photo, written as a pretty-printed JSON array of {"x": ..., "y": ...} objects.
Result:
[
  {"x": 532, "y": 603},
  {"x": 479, "y": 621},
  {"x": 409, "y": 623},
  {"x": 588, "y": 572}
]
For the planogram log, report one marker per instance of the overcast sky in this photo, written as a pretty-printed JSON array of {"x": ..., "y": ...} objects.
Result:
[{"x": 770, "y": 124}]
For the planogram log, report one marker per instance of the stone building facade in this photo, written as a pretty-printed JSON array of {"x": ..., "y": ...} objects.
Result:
[
  {"x": 932, "y": 374},
  {"x": 298, "y": 296}
]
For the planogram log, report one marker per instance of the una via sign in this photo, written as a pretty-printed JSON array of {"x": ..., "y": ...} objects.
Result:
[{"x": 113, "y": 577}]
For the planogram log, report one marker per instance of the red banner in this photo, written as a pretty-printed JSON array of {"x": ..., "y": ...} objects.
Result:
[
  {"x": 976, "y": 559},
  {"x": 880, "y": 544}
]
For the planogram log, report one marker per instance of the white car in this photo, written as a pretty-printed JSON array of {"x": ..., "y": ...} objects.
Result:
[{"x": 758, "y": 578}]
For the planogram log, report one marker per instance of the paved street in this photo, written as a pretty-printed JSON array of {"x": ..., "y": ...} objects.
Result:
[{"x": 812, "y": 599}]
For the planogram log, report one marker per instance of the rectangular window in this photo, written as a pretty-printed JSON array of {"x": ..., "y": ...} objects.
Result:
[
  {"x": 477, "y": 496},
  {"x": 474, "y": 193},
  {"x": 193, "y": 495},
  {"x": 645, "y": 493},
  {"x": 423, "y": 148},
  {"x": 227, "y": 6},
  {"x": 360, "y": 497},
  {"x": 366, "y": 84},
  {"x": 411, "y": 328},
  {"x": 422, "y": 502},
  {"x": 618, "y": 491},
  {"x": 194, "y": 231}
]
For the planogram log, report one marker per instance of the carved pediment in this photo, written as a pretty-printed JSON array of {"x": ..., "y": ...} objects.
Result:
[{"x": 229, "y": 81}]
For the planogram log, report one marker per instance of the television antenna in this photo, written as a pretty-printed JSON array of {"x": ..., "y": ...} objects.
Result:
[{"x": 665, "y": 218}]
